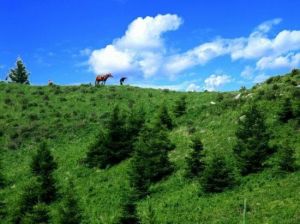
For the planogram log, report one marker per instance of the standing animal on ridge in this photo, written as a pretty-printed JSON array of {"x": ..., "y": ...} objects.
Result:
[
  {"x": 122, "y": 80},
  {"x": 101, "y": 79}
]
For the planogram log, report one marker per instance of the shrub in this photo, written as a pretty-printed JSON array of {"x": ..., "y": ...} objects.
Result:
[
  {"x": 33, "y": 117},
  {"x": 164, "y": 118},
  {"x": 286, "y": 159},
  {"x": 286, "y": 111},
  {"x": 180, "y": 107},
  {"x": 295, "y": 72},
  {"x": 38, "y": 215},
  {"x": 220, "y": 97},
  {"x": 8, "y": 101}
]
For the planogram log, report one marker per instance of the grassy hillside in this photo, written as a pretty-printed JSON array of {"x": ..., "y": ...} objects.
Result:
[{"x": 69, "y": 118}]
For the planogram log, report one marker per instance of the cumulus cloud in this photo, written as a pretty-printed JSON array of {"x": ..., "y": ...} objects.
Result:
[
  {"x": 140, "y": 49},
  {"x": 288, "y": 61},
  {"x": 200, "y": 55},
  {"x": 146, "y": 33},
  {"x": 110, "y": 59},
  {"x": 213, "y": 82}
]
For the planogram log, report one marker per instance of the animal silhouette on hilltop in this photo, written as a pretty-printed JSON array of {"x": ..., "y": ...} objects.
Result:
[
  {"x": 122, "y": 80},
  {"x": 101, "y": 79}
]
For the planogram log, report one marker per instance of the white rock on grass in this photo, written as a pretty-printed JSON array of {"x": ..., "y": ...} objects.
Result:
[{"x": 237, "y": 96}]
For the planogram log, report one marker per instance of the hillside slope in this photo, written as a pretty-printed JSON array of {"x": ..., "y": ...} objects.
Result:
[{"x": 69, "y": 118}]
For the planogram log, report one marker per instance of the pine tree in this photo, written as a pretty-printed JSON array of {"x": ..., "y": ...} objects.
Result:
[
  {"x": 2, "y": 179},
  {"x": 2, "y": 209},
  {"x": 195, "y": 164},
  {"x": 180, "y": 107},
  {"x": 252, "y": 149},
  {"x": 43, "y": 166},
  {"x": 70, "y": 213},
  {"x": 286, "y": 112},
  {"x": 135, "y": 123},
  {"x": 19, "y": 74},
  {"x": 150, "y": 162},
  {"x": 30, "y": 197},
  {"x": 129, "y": 212},
  {"x": 286, "y": 159},
  {"x": 164, "y": 118},
  {"x": 110, "y": 148},
  {"x": 217, "y": 176},
  {"x": 38, "y": 215}
]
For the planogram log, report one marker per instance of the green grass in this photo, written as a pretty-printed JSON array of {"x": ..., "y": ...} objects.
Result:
[{"x": 70, "y": 117}]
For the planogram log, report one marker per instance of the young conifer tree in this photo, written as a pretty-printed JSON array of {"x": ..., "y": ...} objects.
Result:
[
  {"x": 195, "y": 163},
  {"x": 180, "y": 107},
  {"x": 217, "y": 176},
  {"x": 164, "y": 117},
  {"x": 135, "y": 123},
  {"x": 43, "y": 166},
  {"x": 30, "y": 197},
  {"x": 252, "y": 147},
  {"x": 111, "y": 147},
  {"x": 38, "y": 215},
  {"x": 70, "y": 212},
  {"x": 286, "y": 111},
  {"x": 129, "y": 212},
  {"x": 19, "y": 74},
  {"x": 286, "y": 159},
  {"x": 150, "y": 162},
  {"x": 2, "y": 179}
]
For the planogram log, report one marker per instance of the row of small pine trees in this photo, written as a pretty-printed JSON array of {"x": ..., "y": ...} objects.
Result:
[
  {"x": 145, "y": 142},
  {"x": 40, "y": 192},
  {"x": 148, "y": 145}
]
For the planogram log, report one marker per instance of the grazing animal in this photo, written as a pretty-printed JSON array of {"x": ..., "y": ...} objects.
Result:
[
  {"x": 122, "y": 80},
  {"x": 101, "y": 79}
]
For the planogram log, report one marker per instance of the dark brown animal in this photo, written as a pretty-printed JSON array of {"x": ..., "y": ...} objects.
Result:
[
  {"x": 122, "y": 80},
  {"x": 101, "y": 79}
]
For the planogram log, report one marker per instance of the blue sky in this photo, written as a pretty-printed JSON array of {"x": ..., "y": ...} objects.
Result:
[{"x": 182, "y": 45}]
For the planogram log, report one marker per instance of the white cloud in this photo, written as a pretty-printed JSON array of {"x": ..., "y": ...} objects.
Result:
[
  {"x": 288, "y": 61},
  {"x": 110, "y": 59},
  {"x": 200, "y": 55},
  {"x": 193, "y": 88},
  {"x": 248, "y": 72},
  {"x": 215, "y": 81},
  {"x": 146, "y": 33},
  {"x": 143, "y": 50},
  {"x": 267, "y": 25},
  {"x": 140, "y": 49},
  {"x": 260, "y": 78}
]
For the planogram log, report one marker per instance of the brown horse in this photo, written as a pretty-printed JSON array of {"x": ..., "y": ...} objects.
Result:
[{"x": 101, "y": 79}]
